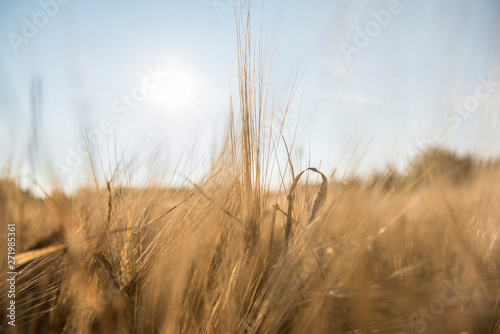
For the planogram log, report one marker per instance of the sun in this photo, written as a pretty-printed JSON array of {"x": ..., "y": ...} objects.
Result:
[{"x": 176, "y": 93}]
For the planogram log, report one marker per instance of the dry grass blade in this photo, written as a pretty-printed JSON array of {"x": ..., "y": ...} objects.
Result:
[{"x": 29, "y": 256}]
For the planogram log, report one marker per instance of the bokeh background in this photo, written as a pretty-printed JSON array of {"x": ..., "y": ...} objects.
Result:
[{"x": 66, "y": 65}]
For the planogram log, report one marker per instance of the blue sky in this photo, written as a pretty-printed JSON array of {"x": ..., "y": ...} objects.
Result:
[{"x": 356, "y": 116}]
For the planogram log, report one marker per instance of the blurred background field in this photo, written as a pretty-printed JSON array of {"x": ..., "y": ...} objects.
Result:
[{"x": 356, "y": 111}]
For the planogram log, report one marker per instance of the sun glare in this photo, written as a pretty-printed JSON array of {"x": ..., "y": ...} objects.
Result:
[{"x": 176, "y": 93}]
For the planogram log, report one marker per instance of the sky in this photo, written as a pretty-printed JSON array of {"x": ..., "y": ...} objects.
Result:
[{"x": 149, "y": 82}]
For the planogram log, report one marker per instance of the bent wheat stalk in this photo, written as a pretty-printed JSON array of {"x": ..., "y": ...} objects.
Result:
[{"x": 318, "y": 202}]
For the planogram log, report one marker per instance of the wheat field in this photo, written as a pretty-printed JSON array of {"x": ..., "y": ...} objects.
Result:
[
  {"x": 412, "y": 252},
  {"x": 393, "y": 254}
]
